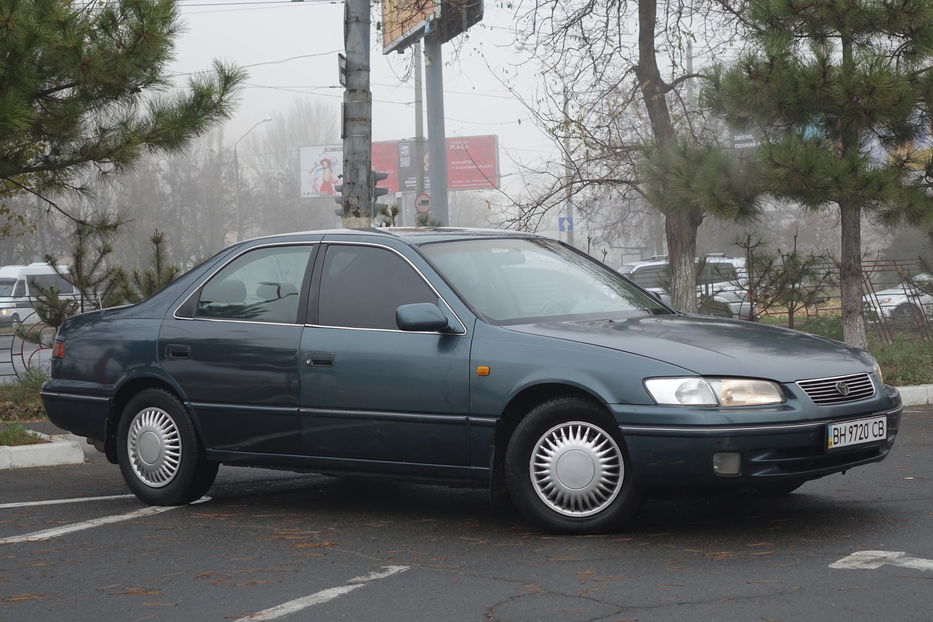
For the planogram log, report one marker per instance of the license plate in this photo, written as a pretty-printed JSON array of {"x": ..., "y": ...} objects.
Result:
[{"x": 847, "y": 433}]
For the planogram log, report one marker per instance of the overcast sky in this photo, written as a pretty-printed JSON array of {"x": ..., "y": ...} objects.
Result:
[{"x": 290, "y": 50}]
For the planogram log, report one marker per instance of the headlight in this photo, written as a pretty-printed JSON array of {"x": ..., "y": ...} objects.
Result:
[
  {"x": 714, "y": 391},
  {"x": 878, "y": 374}
]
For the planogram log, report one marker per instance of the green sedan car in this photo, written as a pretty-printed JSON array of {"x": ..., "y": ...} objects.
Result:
[{"x": 493, "y": 358}]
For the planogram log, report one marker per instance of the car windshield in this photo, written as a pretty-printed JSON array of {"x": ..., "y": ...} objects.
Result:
[
  {"x": 6, "y": 287},
  {"x": 513, "y": 281}
]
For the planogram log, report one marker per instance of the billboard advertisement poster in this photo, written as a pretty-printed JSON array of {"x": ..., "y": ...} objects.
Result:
[
  {"x": 472, "y": 164},
  {"x": 321, "y": 167},
  {"x": 385, "y": 160}
]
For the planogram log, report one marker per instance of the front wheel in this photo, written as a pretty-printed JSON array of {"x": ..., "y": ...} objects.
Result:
[
  {"x": 567, "y": 470},
  {"x": 158, "y": 450}
]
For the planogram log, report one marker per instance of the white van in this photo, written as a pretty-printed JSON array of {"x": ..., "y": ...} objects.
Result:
[{"x": 18, "y": 291}]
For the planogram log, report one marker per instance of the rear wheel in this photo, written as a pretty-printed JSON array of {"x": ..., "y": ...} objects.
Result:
[
  {"x": 567, "y": 470},
  {"x": 158, "y": 450}
]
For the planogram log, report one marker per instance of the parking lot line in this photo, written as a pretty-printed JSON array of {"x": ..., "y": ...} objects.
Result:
[
  {"x": 872, "y": 560},
  {"x": 48, "y": 534},
  {"x": 29, "y": 504},
  {"x": 323, "y": 596}
]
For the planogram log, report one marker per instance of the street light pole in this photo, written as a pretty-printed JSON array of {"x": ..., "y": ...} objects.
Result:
[{"x": 236, "y": 175}]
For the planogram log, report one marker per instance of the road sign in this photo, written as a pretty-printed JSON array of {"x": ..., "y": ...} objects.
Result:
[
  {"x": 423, "y": 203},
  {"x": 565, "y": 223}
]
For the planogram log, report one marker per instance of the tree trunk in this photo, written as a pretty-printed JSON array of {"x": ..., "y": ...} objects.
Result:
[
  {"x": 850, "y": 276},
  {"x": 680, "y": 227},
  {"x": 681, "y": 231},
  {"x": 850, "y": 272}
]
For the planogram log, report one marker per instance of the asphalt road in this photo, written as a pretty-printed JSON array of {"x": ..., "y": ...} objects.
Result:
[{"x": 305, "y": 547}]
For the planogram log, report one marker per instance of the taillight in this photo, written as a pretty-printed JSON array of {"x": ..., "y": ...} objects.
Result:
[{"x": 58, "y": 350}]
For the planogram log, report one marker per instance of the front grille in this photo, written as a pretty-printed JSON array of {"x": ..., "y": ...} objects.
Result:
[{"x": 838, "y": 390}]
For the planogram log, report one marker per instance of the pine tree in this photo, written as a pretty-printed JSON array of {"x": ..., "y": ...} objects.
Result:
[
  {"x": 83, "y": 83},
  {"x": 830, "y": 82}
]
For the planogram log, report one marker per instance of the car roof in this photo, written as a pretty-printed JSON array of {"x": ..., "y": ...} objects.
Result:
[{"x": 410, "y": 235}]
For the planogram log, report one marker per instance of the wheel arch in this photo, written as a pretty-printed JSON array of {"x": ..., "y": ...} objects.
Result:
[
  {"x": 514, "y": 412},
  {"x": 121, "y": 398}
]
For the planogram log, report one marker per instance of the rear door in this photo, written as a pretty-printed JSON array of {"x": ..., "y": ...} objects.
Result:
[{"x": 233, "y": 348}]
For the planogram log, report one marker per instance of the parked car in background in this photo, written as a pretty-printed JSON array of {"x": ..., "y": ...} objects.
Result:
[
  {"x": 903, "y": 301},
  {"x": 722, "y": 283},
  {"x": 18, "y": 291},
  {"x": 493, "y": 358}
]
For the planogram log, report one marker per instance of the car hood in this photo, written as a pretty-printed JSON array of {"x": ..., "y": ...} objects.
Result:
[{"x": 715, "y": 346}]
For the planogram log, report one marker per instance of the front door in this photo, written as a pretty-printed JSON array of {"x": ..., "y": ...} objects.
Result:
[{"x": 369, "y": 391}]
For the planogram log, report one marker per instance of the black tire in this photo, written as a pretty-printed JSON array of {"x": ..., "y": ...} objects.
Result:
[
  {"x": 159, "y": 454},
  {"x": 582, "y": 481}
]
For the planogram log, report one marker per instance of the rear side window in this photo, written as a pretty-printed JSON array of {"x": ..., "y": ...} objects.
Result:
[
  {"x": 49, "y": 281},
  {"x": 362, "y": 286},
  {"x": 262, "y": 285}
]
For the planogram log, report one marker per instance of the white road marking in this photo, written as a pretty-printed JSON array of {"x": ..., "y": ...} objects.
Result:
[
  {"x": 48, "y": 534},
  {"x": 872, "y": 560},
  {"x": 29, "y": 504},
  {"x": 323, "y": 596}
]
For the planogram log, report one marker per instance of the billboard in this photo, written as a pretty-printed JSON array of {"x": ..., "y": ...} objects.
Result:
[
  {"x": 407, "y": 21},
  {"x": 472, "y": 164},
  {"x": 321, "y": 167}
]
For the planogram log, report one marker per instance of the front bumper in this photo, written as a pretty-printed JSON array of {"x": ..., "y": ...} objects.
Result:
[{"x": 680, "y": 458}]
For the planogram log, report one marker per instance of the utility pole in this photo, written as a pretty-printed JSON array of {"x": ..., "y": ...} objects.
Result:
[
  {"x": 419, "y": 121},
  {"x": 357, "y": 130},
  {"x": 437, "y": 138},
  {"x": 568, "y": 168}
]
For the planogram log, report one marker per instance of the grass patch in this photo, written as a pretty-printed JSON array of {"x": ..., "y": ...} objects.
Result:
[
  {"x": 905, "y": 363},
  {"x": 16, "y": 434},
  {"x": 19, "y": 401}
]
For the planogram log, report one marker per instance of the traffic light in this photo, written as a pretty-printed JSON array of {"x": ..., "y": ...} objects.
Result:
[{"x": 376, "y": 192}]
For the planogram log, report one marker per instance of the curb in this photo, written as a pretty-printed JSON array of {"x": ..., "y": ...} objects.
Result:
[
  {"x": 918, "y": 395},
  {"x": 61, "y": 449},
  {"x": 70, "y": 449}
]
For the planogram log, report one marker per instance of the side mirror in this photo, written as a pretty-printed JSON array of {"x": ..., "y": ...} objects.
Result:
[{"x": 421, "y": 317}]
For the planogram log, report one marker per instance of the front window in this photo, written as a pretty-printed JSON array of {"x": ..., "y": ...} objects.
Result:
[
  {"x": 362, "y": 286},
  {"x": 513, "y": 281},
  {"x": 6, "y": 287}
]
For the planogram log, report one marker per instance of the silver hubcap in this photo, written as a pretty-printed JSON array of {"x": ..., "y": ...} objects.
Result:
[
  {"x": 577, "y": 469},
  {"x": 154, "y": 447}
]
